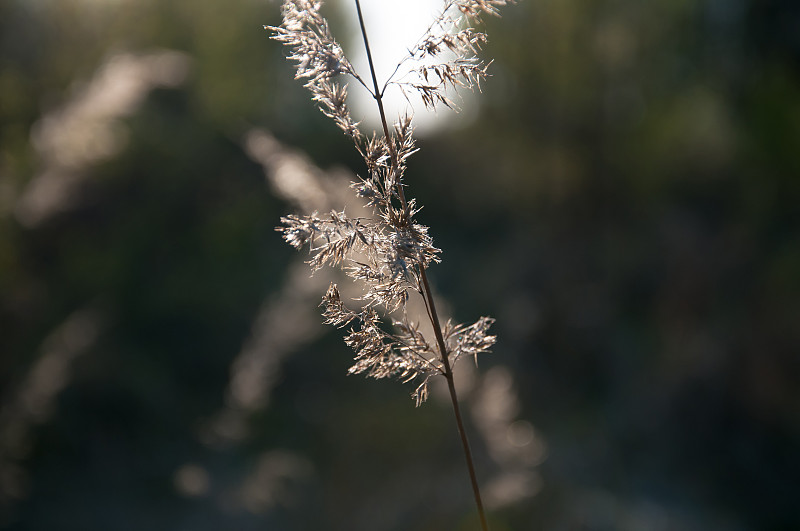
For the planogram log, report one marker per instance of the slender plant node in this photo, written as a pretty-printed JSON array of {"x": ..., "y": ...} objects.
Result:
[{"x": 388, "y": 253}]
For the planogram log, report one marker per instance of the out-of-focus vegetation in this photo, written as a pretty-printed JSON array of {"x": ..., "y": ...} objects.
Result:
[{"x": 625, "y": 203}]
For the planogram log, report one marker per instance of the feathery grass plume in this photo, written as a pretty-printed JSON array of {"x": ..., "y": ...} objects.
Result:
[{"x": 388, "y": 253}]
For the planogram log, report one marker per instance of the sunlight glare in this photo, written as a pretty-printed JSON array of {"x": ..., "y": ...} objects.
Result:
[{"x": 393, "y": 27}]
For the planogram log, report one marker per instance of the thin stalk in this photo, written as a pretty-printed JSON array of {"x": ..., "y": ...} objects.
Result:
[
  {"x": 426, "y": 291},
  {"x": 451, "y": 386},
  {"x": 377, "y": 91}
]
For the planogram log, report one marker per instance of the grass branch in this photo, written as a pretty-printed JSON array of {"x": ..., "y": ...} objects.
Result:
[
  {"x": 427, "y": 292},
  {"x": 389, "y": 252}
]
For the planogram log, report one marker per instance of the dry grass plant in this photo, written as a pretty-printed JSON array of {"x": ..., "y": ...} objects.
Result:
[{"x": 388, "y": 253}]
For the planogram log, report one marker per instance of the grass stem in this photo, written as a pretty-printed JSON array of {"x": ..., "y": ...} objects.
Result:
[{"x": 426, "y": 292}]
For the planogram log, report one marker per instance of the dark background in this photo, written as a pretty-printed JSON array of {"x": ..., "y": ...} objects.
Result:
[{"x": 625, "y": 203}]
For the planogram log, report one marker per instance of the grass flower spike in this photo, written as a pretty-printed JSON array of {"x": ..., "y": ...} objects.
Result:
[{"x": 388, "y": 253}]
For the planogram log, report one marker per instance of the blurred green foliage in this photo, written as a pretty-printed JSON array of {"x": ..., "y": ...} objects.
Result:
[{"x": 625, "y": 202}]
